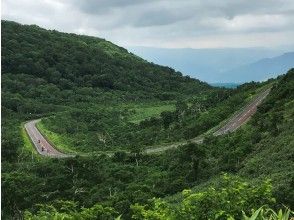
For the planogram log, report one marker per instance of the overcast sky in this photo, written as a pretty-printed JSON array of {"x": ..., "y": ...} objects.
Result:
[{"x": 164, "y": 23}]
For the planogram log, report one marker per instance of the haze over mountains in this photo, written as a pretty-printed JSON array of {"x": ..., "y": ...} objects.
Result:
[
  {"x": 225, "y": 65},
  {"x": 259, "y": 71}
]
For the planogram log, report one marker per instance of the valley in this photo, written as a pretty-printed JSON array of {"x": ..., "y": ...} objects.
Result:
[
  {"x": 46, "y": 149},
  {"x": 92, "y": 131}
]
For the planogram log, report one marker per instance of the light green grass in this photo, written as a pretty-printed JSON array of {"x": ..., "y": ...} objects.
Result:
[
  {"x": 28, "y": 150},
  {"x": 64, "y": 144},
  {"x": 61, "y": 143},
  {"x": 142, "y": 112}
]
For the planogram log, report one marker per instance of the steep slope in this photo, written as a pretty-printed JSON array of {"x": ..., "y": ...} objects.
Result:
[
  {"x": 53, "y": 75},
  {"x": 260, "y": 70},
  {"x": 273, "y": 155},
  {"x": 262, "y": 149},
  {"x": 45, "y": 72},
  {"x": 70, "y": 61},
  {"x": 265, "y": 147},
  {"x": 101, "y": 185}
]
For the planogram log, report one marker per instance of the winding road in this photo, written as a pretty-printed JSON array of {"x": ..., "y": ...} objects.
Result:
[
  {"x": 231, "y": 124},
  {"x": 41, "y": 144},
  {"x": 45, "y": 148},
  {"x": 243, "y": 116}
]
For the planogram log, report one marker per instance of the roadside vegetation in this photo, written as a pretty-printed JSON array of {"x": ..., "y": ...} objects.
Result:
[
  {"x": 133, "y": 126},
  {"x": 95, "y": 98}
]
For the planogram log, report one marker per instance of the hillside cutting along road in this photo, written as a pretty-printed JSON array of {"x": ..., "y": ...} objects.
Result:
[
  {"x": 41, "y": 144},
  {"x": 243, "y": 116},
  {"x": 44, "y": 148},
  {"x": 232, "y": 124}
]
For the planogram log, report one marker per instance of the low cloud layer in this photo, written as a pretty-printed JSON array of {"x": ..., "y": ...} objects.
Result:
[{"x": 164, "y": 23}]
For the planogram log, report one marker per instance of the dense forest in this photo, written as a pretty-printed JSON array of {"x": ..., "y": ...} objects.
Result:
[{"x": 95, "y": 97}]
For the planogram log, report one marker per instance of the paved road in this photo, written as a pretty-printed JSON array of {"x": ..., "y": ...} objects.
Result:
[
  {"x": 46, "y": 149},
  {"x": 231, "y": 125},
  {"x": 41, "y": 144},
  {"x": 243, "y": 116}
]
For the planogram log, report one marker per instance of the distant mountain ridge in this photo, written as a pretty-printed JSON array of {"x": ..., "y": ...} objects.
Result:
[
  {"x": 260, "y": 70},
  {"x": 204, "y": 64},
  {"x": 218, "y": 65}
]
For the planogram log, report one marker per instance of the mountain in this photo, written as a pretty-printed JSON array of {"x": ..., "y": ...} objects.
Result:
[
  {"x": 46, "y": 72},
  {"x": 106, "y": 105},
  {"x": 260, "y": 70},
  {"x": 204, "y": 64},
  {"x": 70, "y": 61}
]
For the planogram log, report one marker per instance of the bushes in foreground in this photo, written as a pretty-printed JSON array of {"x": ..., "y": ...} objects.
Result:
[{"x": 231, "y": 198}]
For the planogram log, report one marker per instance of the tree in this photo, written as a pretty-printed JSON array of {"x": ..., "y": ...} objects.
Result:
[
  {"x": 193, "y": 154},
  {"x": 167, "y": 118},
  {"x": 120, "y": 156},
  {"x": 136, "y": 152},
  {"x": 60, "y": 210},
  {"x": 228, "y": 200}
]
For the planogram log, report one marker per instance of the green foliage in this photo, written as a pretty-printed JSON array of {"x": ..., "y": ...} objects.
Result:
[
  {"x": 160, "y": 210},
  {"x": 41, "y": 77},
  {"x": 273, "y": 154},
  {"x": 97, "y": 128},
  {"x": 97, "y": 97},
  {"x": 86, "y": 62},
  {"x": 68, "y": 210},
  {"x": 226, "y": 201},
  {"x": 138, "y": 113},
  {"x": 267, "y": 213}
]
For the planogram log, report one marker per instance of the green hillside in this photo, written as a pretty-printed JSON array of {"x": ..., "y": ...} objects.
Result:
[
  {"x": 94, "y": 92},
  {"x": 95, "y": 97},
  {"x": 261, "y": 149},
  {"x": 71, "y": 61},
  {"x": 45, "y": 72}
]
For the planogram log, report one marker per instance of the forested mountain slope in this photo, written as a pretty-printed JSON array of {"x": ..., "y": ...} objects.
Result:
[
  {"x": 87, "y": 187},
  {"x": 263, "y": 149},
  {"x": 100, "y": 97},
  {"x": 71, "y": 61},
  {"x": 95, "y": 97},
  {"x": 44, "y": 72}
]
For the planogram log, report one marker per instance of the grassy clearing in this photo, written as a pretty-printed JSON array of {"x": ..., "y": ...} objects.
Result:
[
  {"x": 142, "y": 112},
  {"x": 28, "y": 150},
  {"x": 61, "y": 143}
]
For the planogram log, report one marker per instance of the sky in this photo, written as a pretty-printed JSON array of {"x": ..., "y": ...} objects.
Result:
[{"x": 164, "y": 23}]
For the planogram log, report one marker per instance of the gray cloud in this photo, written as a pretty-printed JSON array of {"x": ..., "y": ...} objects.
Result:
[
  {"x": 165, "y": 23},
  {"x": 159, "y": 17},
  {"x": 103, "y": 6}
]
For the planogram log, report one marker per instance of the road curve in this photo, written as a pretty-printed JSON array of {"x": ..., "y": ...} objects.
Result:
[
  {"x": 232, "y": 124},
  {"x": 243, "y": 116},
  {"x": 41, "y": 144}
]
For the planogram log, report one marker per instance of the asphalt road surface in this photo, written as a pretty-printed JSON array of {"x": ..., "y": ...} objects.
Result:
[
  {"x": 243, "y": 116},
  {"x": 46, "y": 149},
  {"x": 231, "y": 124},
  {"x": 41, "y": 144}
]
